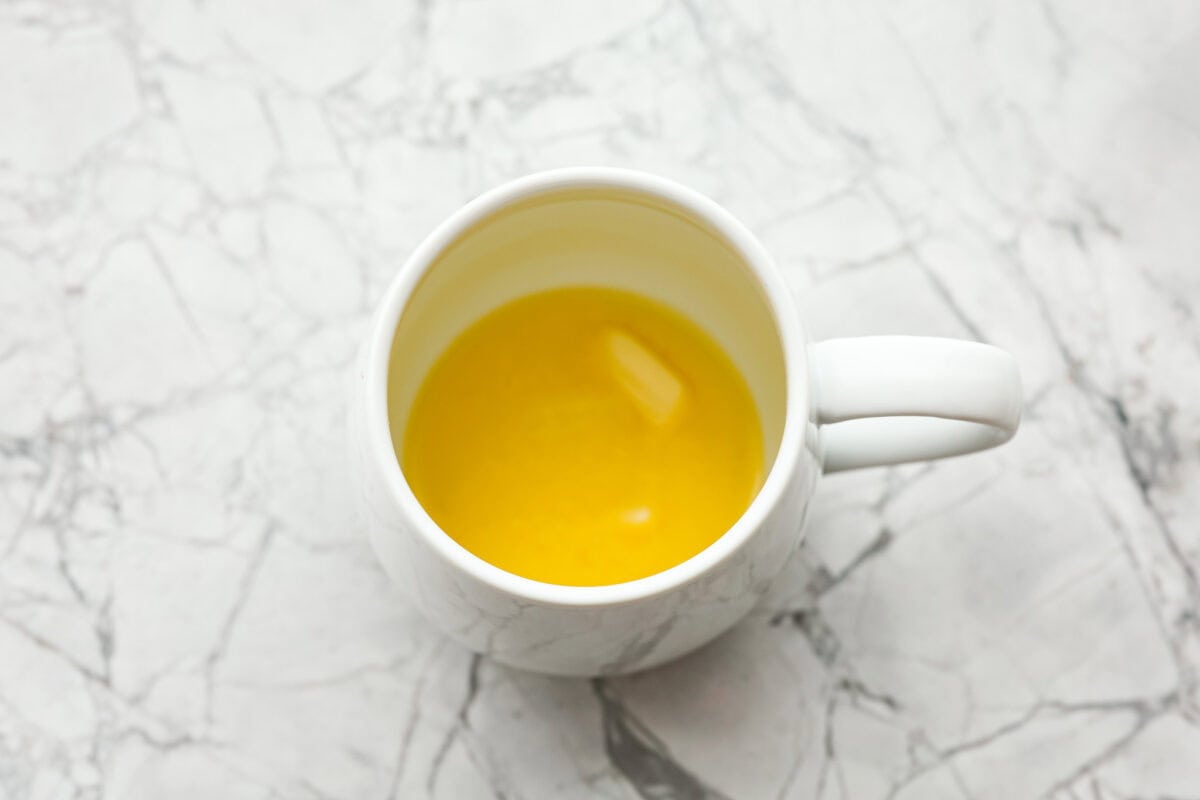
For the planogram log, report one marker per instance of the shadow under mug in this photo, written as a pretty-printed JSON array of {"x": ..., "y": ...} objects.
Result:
[{"x": 824, "y": 407}]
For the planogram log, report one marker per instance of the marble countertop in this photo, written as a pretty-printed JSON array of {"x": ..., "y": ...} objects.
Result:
[{"x": 200, "y": 203}]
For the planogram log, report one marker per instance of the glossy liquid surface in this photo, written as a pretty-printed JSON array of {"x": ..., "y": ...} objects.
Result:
[{"x": 583, "y": 436}]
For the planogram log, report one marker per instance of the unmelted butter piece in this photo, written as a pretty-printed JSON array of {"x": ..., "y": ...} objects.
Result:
[
  {"x": 655, "y": 389},
  {"x": 636, "y": 516}
]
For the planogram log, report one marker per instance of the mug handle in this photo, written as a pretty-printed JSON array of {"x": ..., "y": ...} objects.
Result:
[{"x": 889, "y": 399}]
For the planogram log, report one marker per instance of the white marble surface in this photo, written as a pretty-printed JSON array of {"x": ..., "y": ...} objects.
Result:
[{"x": 200, "y": 202}]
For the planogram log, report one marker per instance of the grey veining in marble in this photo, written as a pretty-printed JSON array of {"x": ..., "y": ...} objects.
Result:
[{"x": 201, "y": 201}]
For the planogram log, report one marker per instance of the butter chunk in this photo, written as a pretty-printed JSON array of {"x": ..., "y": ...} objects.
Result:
[
  {"x": 654, "y": 387},
  {"x": 636, "y": 516}
]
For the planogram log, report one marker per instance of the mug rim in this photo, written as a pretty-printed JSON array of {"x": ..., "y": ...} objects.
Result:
[{"x": 787, "y": 324}]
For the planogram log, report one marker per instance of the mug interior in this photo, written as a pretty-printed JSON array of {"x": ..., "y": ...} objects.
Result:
[
  {"x": 601, "y": 236},
  {"x": 605, "y": 227}
]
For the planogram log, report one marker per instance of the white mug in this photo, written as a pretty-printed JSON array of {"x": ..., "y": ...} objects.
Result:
[{"x": 828, "y": 406}]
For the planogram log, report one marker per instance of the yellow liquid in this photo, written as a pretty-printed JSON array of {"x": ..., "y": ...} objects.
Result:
[{"x": 583, "y": 437}]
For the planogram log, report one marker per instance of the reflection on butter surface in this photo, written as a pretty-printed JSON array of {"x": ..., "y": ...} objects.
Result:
[{"x": 583, "y": 436}]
